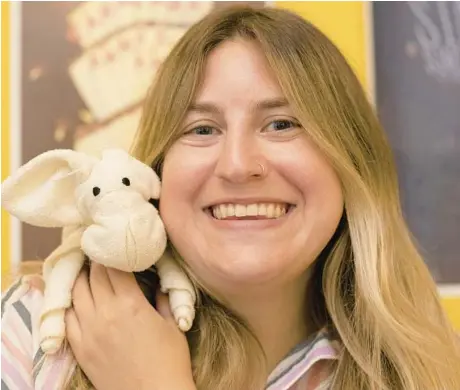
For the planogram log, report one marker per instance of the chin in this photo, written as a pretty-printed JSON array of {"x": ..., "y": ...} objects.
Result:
[{"x": 249, "y": 267}]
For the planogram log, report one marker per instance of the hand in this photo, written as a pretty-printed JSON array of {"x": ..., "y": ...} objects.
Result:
[{"x": 119, "y": 340}]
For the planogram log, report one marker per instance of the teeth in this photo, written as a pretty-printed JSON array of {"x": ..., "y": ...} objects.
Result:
[
  {"x": 267, "y": 210},
  {"x": 240, "y": 210},
  {"x": 252, "y": 210},
  {"x": 262, "y": 209},
  {"x": 271, "y": 210}
]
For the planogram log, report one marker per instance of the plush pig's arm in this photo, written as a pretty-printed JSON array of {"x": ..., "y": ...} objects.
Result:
[
  {"x": 60, "y": 270},
  {"x": 182, "y": 296}
]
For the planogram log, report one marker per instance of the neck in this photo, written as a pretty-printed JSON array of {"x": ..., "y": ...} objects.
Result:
[{"x": 277, "y": 316}]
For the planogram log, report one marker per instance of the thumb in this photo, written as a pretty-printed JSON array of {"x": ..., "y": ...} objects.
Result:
[{"x": 163, "y": 307}]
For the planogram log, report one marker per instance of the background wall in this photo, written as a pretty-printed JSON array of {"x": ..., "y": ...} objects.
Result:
[{"x": 46, "y": 108}]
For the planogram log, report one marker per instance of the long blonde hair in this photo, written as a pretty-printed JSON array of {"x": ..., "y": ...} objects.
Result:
[{"x": 370, "y": 288}]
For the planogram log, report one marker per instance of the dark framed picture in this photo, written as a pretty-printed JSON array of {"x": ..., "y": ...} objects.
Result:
[{"x": 417, "y": 76}]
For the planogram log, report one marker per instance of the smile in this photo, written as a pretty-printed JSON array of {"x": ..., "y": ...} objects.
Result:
[{"x": 254, "y": 211}]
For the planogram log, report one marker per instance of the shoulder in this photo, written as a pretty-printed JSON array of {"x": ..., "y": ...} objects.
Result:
[
  {"x": 24, "y": 364},
  {"x": 20, "y": 303}
]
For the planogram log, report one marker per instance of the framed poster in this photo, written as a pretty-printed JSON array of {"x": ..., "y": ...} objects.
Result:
[
  {"x": 417, "y": 75},
  {"x": 82, "y": 70}
]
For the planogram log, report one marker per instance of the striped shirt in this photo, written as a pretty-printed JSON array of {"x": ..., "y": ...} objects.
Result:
[{"x": 309, "y": 366}]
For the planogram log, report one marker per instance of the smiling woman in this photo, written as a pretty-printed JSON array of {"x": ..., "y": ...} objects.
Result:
[
  {"x": 280, "y": 199},
  {"x": 269, "y": 116}
]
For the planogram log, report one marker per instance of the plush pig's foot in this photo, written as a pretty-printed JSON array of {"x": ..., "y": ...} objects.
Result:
[
  {"x": 182, "y": 307},
  {"x": 52, "y": 331}
]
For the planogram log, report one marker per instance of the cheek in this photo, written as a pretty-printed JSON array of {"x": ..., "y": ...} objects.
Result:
[
  {"x": 184, "y": 173},
  {"x": 310, "y": 172}
]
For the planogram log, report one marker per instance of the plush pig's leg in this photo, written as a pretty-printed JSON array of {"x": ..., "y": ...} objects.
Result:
[
  {"x": 182, "y": 297},
  {"x": 60, "y": 271},
  {"x": 58, "y": 298}
]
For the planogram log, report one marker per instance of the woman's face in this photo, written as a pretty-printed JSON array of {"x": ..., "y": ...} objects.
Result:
[{"x": 247, "y": 199}]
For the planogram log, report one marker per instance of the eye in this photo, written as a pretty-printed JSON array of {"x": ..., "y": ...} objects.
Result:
[
  {"x": 96, "y": 191},
  {"x": 282, "y": 124},
  {"x": 202, "y": 130},
  {"x": 126, "y": 181}
]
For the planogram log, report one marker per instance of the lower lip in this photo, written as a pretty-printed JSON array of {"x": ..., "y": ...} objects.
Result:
[{"x": 259, "y": 223}]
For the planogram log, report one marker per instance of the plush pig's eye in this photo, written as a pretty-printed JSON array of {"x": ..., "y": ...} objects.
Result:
[
  {"x": 126, "y": 181},
  {"x": 96, "y": 191}
]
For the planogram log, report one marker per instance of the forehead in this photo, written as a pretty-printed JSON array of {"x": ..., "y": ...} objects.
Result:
[{"x": 237, "y": 68}]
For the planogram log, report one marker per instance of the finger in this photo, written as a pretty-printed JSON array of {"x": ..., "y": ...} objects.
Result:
[
  {"x": 82, "y": 298},
  {"x": 101, "y": 286},
  {"x": 73, "y": 330},
  {"x": 163, "y": 307},
  {"x": 124, "y": 283}
]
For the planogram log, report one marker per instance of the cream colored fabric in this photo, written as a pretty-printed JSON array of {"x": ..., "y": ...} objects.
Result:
[{"x": 104, "y": 210}]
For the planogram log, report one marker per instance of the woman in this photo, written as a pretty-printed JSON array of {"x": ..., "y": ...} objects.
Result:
[{"x": 281, "y": 201}]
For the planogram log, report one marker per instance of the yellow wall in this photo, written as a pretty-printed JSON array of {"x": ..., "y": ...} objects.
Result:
[
  {"x": 452, "y": 306},
  {"x": 5, "y": 152},
  {"x": 343, "y": 23}
]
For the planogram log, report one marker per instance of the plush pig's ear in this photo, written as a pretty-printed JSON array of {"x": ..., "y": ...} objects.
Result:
[{"x": 42, "y": 192}]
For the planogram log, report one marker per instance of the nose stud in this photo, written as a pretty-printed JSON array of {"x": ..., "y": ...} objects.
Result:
[{"x": 262, "y": 168}]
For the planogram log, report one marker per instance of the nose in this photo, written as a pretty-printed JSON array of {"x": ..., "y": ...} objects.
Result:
[{"x": 240, "y": 159}]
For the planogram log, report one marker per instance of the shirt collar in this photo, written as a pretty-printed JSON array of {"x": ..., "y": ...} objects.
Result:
[{"x": 318, "y": 346}]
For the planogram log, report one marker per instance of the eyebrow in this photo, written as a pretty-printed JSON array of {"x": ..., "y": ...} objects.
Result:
[
  {"x": 271, "y": 103},
  {"x": 262, "y": 105}
]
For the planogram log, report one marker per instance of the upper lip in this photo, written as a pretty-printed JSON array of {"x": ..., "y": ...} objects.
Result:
[{"x": 247, "y": 201}]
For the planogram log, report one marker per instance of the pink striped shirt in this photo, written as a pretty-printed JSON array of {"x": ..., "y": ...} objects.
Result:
[{"x": 308, "y": 367}]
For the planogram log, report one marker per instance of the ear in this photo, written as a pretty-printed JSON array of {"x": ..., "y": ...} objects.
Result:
[{"x": 42, "y": 192}]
